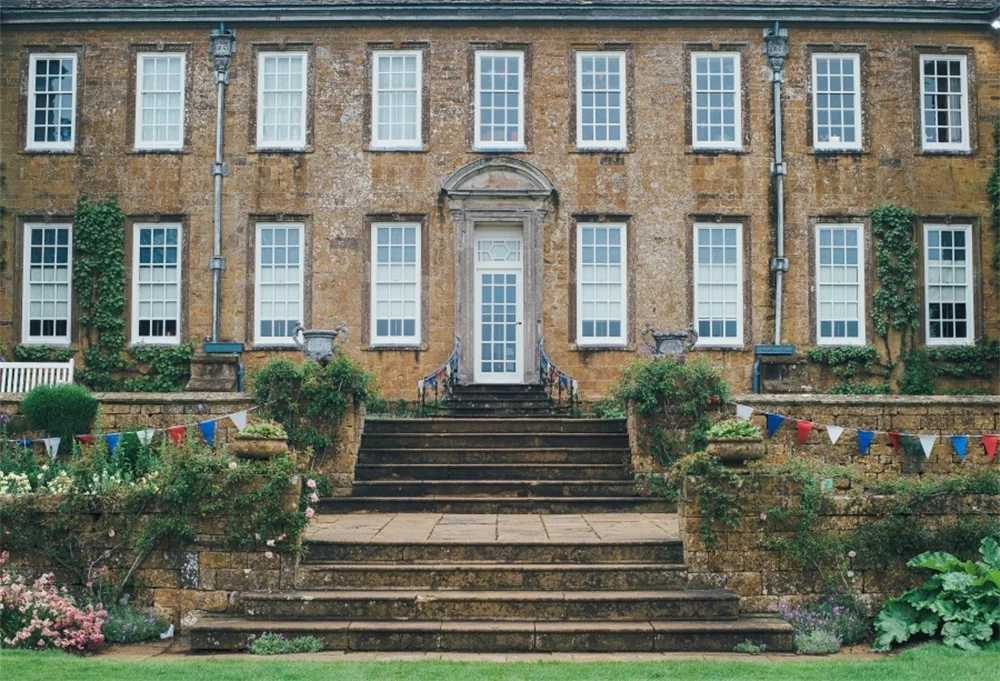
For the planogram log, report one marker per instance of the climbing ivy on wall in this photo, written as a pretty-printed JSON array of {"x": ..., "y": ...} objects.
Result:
[
  {"x": 993, "y": 190},
  {"x": 893, "y": 304},
  {"x": 99, "y": 281}
]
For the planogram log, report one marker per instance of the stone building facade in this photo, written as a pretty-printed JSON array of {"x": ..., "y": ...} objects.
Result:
[{"x": 519, "y": 173}]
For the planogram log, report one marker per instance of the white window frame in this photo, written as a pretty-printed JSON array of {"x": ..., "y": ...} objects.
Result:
[
  {"x": 966, "y": 143},
  {"x": 394, "y": 341},
  {"x": 862, "y": 289},
  {"x": 622, "y": 92},
  {"x": 737, "y": 143},
  {"x": 277, "y": 340},
  {"x": 30, "y": 143},
  {"x": 521, "y": 144},
  {"x": 970, "y": 325},
  {"x": 156, "y": 340},
  {"x": 291, "y": 145},
  {"x": 708, "y": 342},
  {"x": 857, "y": 144},
  {"x": 139, "y": 72},
  {"x": 54, "y": 341},
  {"x": 604, "y": 341},
  {"x": 398, "y": 145}
]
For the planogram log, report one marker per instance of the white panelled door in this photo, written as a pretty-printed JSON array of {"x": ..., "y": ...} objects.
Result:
[{"x": 499, "y": 304}]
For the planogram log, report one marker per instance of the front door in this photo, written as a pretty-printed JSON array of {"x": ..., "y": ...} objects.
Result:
[{"x": 499, "y": 304}]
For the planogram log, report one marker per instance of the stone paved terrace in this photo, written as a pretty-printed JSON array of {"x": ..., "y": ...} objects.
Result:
[{"x": 463, "y": 528}]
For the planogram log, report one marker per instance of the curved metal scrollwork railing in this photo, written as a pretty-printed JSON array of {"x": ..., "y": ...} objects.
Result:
[
  {"x": 442, "y": 381},
  {"x": 556, "y": 383}
]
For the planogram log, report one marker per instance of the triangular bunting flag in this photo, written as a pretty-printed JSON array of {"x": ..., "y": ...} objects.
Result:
[
  {"x": 927, "y": 442},
  {"x": 744, "y": 411},
  {"x": 804, "y": 428},
  {"x": 208, "y": 430},
  {"x": 145, "y": 436},
  {"x": 894, "y": 439},
  {"x": 25, "y": 443},
  {"x": 865, "y": 440},
  {"x": 239, "y": 419},
  {"x": 85, "y": 439},
  {"x": 774, "y": 422},
  {"x": 420, "y": 386},
  {"x": 52, "y": 447},
  {"x": 176, "y": 434},
  {"x": 112, "y": 440},
  {"x": 990, "y": 445},
  {"x": 834, "y": 432},
  {"x": 960, "y": 442}
]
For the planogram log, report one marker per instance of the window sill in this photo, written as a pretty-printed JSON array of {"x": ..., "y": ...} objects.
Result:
[
  {"x": 838, "y": 152},
  {"x": 706, "y": 151},
  {"x": 402, "y": 347},
  {"x": 721, "y": 348},
  {"x": 601, "y": 150},
  {"x": 397, "y": 150},
  {"x": 606, "y": 347},
  {"x": 274, "y": 347},
  {"x": 282, "y": 151},
  {"x": 964, "y": 343},
  {"x": 154, "y": 344},
  {"x": 944, "y": 152},
  {"x": 138, "y": 151},
  {"x": 500, "y": 150},
  {"x": 47, "y": 344},
  {"x": 50, "y": 152}
]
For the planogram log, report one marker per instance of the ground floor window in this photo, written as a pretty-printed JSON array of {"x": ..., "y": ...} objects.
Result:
[
  {"x": 278, "y": 283},
  {"x": 395, "y": 284},
  {"x": 948, "y": 284},
  {"x": 840, "y": 304},
  {"x": 601, "y": 278},
  {"x": 718, "y": 284},
  {"x": 48, "y": 264},
  {"x": 156, "y": 283}
]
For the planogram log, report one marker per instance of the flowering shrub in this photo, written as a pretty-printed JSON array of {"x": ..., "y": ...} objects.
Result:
[
  {"x": 838, "y": 616},
  {"x": 278, "y": 644},
  {"x": 14, "y": 483},
  {"x": 125, "y": 625},
  {"x": 817, "y": 642},
  {"x": 38, "y": 615}
]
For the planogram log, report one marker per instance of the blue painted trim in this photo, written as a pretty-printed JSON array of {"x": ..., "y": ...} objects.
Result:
[{"x": 222, "y": 348}]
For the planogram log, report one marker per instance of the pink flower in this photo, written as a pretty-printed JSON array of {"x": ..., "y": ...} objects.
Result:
[
  {"x": 282, "y": 537},
  {"x": 270, "y": 542},
  {"x": 310, "y": 483},
  {"x": 232, "y": 465},
  {"x": 313, "y": 497},
  {"x": 851, "y": 554},
  {"x": 310, "y": 512},
  {"x": 763, "y": 516},
  {"x": 90, "y": 585}
]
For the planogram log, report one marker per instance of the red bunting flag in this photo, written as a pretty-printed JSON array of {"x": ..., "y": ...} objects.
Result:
[
  {"x": 990, "y": 445},
  {"x": 894, "y": 439},
  {"x": 85, "y": 439},
  {"x": 176, "y": 434},
  {"x": 804, "y": 428}
]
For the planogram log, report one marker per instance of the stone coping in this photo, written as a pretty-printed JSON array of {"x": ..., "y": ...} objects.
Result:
[
  {"x": 156, "y": 398},
  {"x": 818, "y": 400}
]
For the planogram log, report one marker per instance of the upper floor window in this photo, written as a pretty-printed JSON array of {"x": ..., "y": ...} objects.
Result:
[
  {"x": 715, "y": 101},
  {"x": 159, "y": 101},
  {"x": 601, "y": 276},
  {"x": 396, "y": 92},
  {"x": 395, "y": 284},
  {"x": 944, "y": 101},
  {"x": 278, "y": 284},
  {"x": 948, "y": 284},
  {"x": 156, "y": 283},
  {"x": 52, "y": 102},
  {"x": 48, "y": 283},
  {"x": 836, "y": 101},
  {"x": 718, "y": 284},
  {"x": 499, "y": 100},
  {"x": 281, "y": 100},
  {"x": 840, "y": 307},
  {"x": 600, "y": 100}
]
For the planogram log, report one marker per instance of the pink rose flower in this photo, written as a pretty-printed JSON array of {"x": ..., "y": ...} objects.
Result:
[
  {"x": 763, "y": 516},
  {"x": 282, "y": 537},
  {"x": 313, "y": 497},
  {"x": 310, "y": 483},
  {"x": 310, "y": 512},
  {"x": 851, "y": 554},
  {"x": 232, "y": 465}
]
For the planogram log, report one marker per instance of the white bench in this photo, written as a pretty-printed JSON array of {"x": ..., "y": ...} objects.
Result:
[{"x": 20, "y": 377}]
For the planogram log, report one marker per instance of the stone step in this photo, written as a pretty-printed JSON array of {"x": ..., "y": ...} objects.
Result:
[
  {"x": 492, "y": 576},
  {"x": 489, "y": 440},
  {"x": 488, "y": 398},
  {"x": 492, "y": 471},
  {"x": 449, "y": 504},
  {"x": 514, "y": 456},
  {"x": 564, "y": 553},
  {"x": 493, "y": 488},
  {"x": 548, "y": 606},
  {"x": 506, "y": 426},
  {"x": 498, "y": 389},
  {"x": 506, "y": 409},
  {"x": 216, "y": 633}
]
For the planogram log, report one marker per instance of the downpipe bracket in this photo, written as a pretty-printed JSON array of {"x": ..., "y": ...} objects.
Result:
[
  {"x": 217, "y": 262},
  {"x": 220, "y": 168},
  {"x": 779, "y": 169},
  {"x": 779, "y": 265}
]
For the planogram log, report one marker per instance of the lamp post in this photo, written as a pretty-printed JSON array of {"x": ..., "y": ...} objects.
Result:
[{"x": 222, "y": 45}]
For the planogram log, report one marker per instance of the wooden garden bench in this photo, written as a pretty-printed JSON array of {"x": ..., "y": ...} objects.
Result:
[{"x": 20, "y": 377}]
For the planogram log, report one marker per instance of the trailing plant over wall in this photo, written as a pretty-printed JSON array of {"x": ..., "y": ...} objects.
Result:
[
  {"x": 893, "y": 304},
  {"x": 41, "y": 353},
  {"x": 99, "y": 284},
  {"x": 993, "y": 191},
  {"x": 855, "y": 367},
  {"x": 168, "y": 368}
]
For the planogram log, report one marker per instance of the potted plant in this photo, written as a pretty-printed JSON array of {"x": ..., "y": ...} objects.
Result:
[
  {"x": 261, "y": 440},
  {"x": 735, "y": 442}
]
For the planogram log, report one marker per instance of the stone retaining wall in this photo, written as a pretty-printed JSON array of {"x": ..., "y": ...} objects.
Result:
[{"x": 743, "y": 561}]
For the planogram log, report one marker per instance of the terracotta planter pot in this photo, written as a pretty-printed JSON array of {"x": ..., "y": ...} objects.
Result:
[
  {"x": 254, "y": 447},
  {"x": 737, "y": 451}
]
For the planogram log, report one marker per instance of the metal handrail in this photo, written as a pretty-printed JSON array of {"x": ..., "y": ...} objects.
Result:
[
  {"x": 555, "y": 381},
  {"x": 442, "y": 380}
]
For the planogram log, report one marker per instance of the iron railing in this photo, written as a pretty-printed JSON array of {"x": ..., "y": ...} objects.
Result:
[
  {"x": 442, "y": 381},
  {"x": 556, "y": 383}
]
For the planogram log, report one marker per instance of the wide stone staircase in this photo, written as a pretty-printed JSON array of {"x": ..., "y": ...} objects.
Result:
[{"x": 473, "y": 532}]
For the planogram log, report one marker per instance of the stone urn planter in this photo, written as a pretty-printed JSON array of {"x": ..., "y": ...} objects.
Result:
[
  {"x": 736, "y": 452},
  {"x": 264, "y": 440}
]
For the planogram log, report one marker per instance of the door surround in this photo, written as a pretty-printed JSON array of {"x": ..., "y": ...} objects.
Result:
[{"x": 497, "y": 189}]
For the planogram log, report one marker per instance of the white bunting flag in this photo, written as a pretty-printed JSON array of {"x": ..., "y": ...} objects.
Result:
[
  {"x": 834, "y": 432},
  {"x": 239, "y": 419},
  {"x": 52, "y": 447},
  {"x": 744, "y": 412},
  {"x": 927, "y": 442},
  {"x": 145, "y": 436}
]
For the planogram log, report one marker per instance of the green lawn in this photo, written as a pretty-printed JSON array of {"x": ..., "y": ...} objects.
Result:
[{"x": 930, "y": 662}]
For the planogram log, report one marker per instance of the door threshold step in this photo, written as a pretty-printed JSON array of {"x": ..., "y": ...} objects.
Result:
[
  {"x": 494, "y": 504},
  {"x": 221, "y": 633}
]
